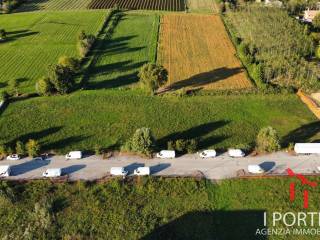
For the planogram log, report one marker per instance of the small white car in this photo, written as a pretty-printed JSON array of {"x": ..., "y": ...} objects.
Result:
[
  {"x": 13, "y": 157},
  {"x": 166, "y": 154},
  {"x": 52, "y": 172},
  {"x": 236, "y": 153},
  {"x": 74, "y": 155},
  {"x": 255, "y": 169},
  {"x": 208, "y": 153},
  {"x": 142, "y": 171},
  {"x": 5, "y": 171},
  {"x": 118, "y": 171}
]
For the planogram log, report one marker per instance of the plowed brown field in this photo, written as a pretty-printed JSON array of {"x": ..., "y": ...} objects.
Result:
[{"x": 197, "y": 52}]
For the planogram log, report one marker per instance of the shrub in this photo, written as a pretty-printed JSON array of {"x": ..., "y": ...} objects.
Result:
[
  {"x": 170, "y": 145},
  {"x": 181, "y": 145},
  {"x": 152, "y": 76},
  {"x": 33, "y": 148},
  {"x": 222, "y": 7},
  {"x": 20, "y": 148},
  {"x": 3, "y": 151},
  {"x": 142, "y": 142},
  {"x": 268, "y": 140},
  {"x": 13, "y": 85},
  {"x": 192, "y": 146},
  {"x": 97, "y": 149},
  {"x": 62, "y": 78},
  {"x": 318, "y": 52},
  {"x": 72, "y": 63},
  {"x": 184, "y": 145},
  {"x": 4, "y": 96},
  {"x": 3, "y": 34},
  {"x": 44, "y": 87},
  {"x": 85, "y": 43}
]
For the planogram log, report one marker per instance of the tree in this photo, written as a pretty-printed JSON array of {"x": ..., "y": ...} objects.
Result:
[
  {"x": 20, "y": 148},
  {"x": 44, "y": 87},
  {"x": 13, "y": 85},
  {"x": 316, "y": 21},
  {"x": 152, "y": 76},
  {"x": 62, "y": 78},
  {"x": 268, "y": 140},
  {"x": 72, "y": 63},
  {"x": 33, "y": 148},
  {"x": 3, "y": 34},
  {"x": 141, "y": 142}
]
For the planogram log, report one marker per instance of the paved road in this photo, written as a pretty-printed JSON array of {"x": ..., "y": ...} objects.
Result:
[{"x": 221, "y": 167}]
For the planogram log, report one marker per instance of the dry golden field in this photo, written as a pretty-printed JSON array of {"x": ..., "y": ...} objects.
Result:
[{"x": 197, "y": 52}]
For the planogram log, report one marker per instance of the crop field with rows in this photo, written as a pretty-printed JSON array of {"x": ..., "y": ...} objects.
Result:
[
  {"x": 38, "y": 39},
  {"x": 164, "y": 5},
  {"x": 53, "y": 5},
  {"x": 202, "y": 6},
  {"x": 198, "y": 53}
]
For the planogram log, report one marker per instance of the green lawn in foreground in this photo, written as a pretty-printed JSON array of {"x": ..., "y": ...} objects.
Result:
[
  {"x": 36, "y": 40},
  {"x": 154, "y": 208},
  {"x": 117, "y": 60},
  {"x": 86, "y": 118}
]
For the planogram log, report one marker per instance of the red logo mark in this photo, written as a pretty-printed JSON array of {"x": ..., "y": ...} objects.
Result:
[{"x": 303, "y": 181}]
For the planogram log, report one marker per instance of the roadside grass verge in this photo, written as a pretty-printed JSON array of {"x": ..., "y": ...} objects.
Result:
[
  {"x": 36, "y": 40},
  {"x": 148, "y": 208},
  {"x": 108, "y": 118},
  {"x": 119, "y": 56}
]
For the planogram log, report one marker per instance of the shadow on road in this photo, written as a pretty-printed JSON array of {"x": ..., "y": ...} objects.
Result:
[
  {"x": 72, "y": 169},
  {"x": 267, "y": 166},
  {"x": 131, "y": 167},
  {"x": 159, "y": 167},
  {"x": 28, "y": 166}
]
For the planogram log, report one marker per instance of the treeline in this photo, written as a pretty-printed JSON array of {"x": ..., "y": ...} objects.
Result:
[
  {"x": 274, "y": 47},
  {"x": 6, "y": 6}
]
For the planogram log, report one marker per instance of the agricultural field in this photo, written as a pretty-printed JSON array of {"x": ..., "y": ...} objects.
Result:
[
  {"x": 198, "y": 53},
  {"x": 164, "y": 5},
  {"x": 38, "y": 39},
  {"x": 202, "y": 6},
  {"x": 53, "y": 5},
  {"x": 151, "y": 208},
  {"x": 108, "y": 118},
  {"x": 117, "y": 60}
]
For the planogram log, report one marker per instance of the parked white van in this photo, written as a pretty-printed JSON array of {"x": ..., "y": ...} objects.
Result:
[
  {"x": 118, "y": 171},
  {"x": 236, "y": 153},
  {"x": 52, "y": 172},
  {"x": 208, "y": 153},
  {"x": 307, "y": 148},
  {"x": 142, "y": 171},
  {"x": 5, "y": 171},
  {"x": 255, "y": 169},
  {"x": 166, "y": 154},
  {"x": 13, "y": 157},
  {"x": 74, "y": 155}
]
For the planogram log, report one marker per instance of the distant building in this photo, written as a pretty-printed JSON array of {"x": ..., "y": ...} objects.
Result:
[{"x": 309, "y": 15}]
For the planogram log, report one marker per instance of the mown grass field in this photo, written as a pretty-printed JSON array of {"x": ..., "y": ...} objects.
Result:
[
  {"x": 86, "y": 118},
  {"x": 36, "y": 40},
  {"x": 198, "y": 53},
  {"x": 117, "y": 60},
  {"x": 153, "y": 208},
  {"x": 202, "y": 6},
  {"x": 53, "y": 5}
]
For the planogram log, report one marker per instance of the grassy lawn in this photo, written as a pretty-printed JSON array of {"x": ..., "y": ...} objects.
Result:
[
  {"x": 86, "y": 118},
  {"x": 117, "y": 60},
  {"x": 36, "y": 40},
  {"x": 152, "y": 208}
]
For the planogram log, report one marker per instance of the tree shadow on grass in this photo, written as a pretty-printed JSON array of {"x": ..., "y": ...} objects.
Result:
[
  {"x": 204, "y": 78},
  {"x": 305, "y": 133},
  {"x": 197, "y": 132},
  {"x": 205, "y": 225},
  {"x": 66, "y": 142},
  {"x": 15, "y": 35}
]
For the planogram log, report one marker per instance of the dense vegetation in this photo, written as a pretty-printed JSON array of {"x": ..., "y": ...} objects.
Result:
[
  {"x": 274, "y": 46},
  {"x": 35, "y": 40},
  {"x": 149, "y": 208},
  {"x": 86, "y": 118}
]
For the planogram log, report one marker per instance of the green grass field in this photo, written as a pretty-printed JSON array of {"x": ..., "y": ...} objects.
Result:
[
  {"x": 87, "y": 118},
  {"x": 153, "y": 208},
  {"x": 36, "y": 40},
  {"x": 117, "y": 60},
  {"x": 53, "y": 5}
]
